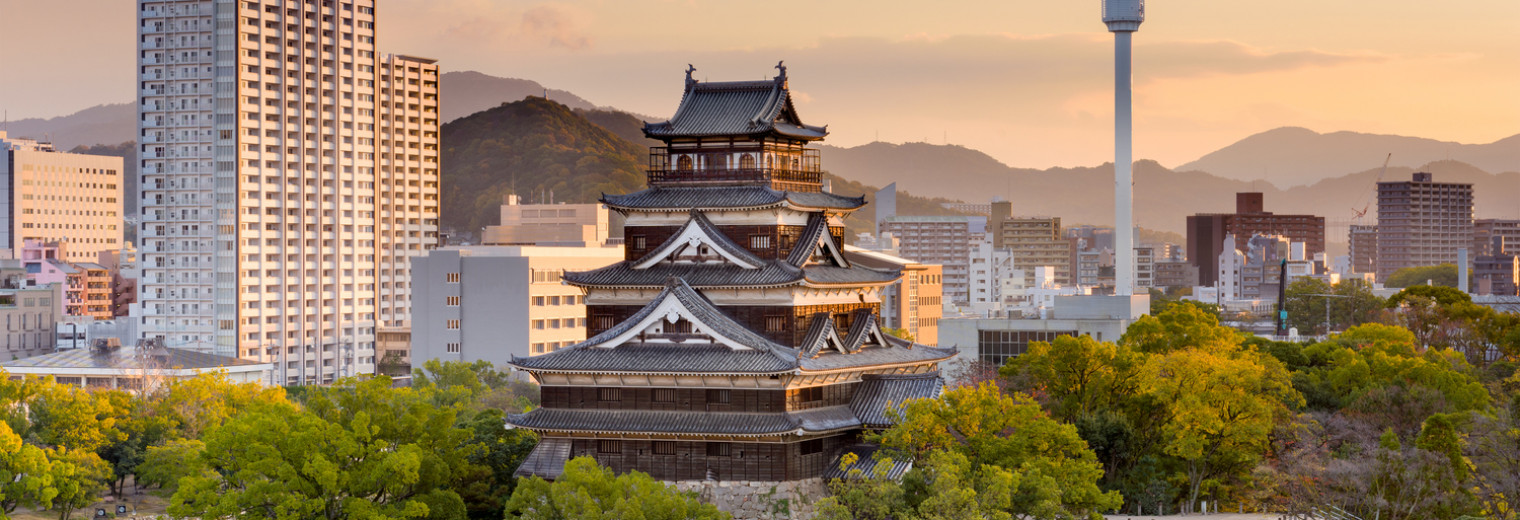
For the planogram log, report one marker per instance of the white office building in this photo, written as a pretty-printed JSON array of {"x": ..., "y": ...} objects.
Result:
[{"x": 288, "y": 172}]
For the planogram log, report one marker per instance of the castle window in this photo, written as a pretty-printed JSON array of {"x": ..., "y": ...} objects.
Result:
[
  {"x": 664, "y": 447},
  {"x": 746, "y": 162},
  {"x": 664, "y": 395},
  {"x": 682, "y": 326},
  {"x": 637, "y": 243},
  {"x": 809, "y": 395},
  {"x": 718, "y": 396},
  {"x": 609, "y": 394},
  {"x": 811, "y": 447},
  {"x": 609, "y": 446},
  {"x": 761, "y": 242},
  {"x": 684, "y": 163},
  {"x": 717, "y": 449},
  {"x": 775, "y": 324}
]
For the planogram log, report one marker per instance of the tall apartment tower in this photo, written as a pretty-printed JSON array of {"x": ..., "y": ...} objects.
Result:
[
  {"x": 1363, "y": 240},
  {"x": 287, "y": 169},
  {"x": 1422, "y": 223}
]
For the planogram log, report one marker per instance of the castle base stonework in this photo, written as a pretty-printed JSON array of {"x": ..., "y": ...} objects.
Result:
[{"x": 752, "y": 500}]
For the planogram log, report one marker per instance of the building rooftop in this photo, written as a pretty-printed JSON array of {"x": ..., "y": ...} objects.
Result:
[
  {"x": 128, "y": 358},
  {"x": 736, "y": 108},
  {"x": 730, "y": 198}
]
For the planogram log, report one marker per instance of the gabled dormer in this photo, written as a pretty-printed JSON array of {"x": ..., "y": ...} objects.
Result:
[
  {"x": 699, "y": 242},
  {"x": 817, "y": 246}
]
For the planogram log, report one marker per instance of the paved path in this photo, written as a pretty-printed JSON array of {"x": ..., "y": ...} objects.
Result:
[{"x": 1221, "y": 516}]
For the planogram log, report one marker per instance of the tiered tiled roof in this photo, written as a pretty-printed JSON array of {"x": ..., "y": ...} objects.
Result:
[
  {"x": 624, "y": 349},
  {"x": 736, "y": 108},
  {"x": 729, "y": 198},
  {"x": 878, "y": 392},
  {"x": 653, "y": 270}
]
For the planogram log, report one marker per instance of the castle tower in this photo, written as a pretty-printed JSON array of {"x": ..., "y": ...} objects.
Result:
[{"x": 736, "y": 342}]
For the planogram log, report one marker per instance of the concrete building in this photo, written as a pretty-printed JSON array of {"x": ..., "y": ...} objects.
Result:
[
  {"x": 288, "y": 170},
  {"x": 494, "y": 302},
  {"x": 1145, "y": 267},
  {"x": 29, "y": 312},
  {"x": 133, "y": 368},
  {"x": 1485, "y": 230},
  {"x": 54, "y": 196},
  {"x": 1498, "y": 273},
  {"x": 989, "y": 267},
  {"x": 916, "y": 302},
  {"x": 73, "y": 332},
  {"x": 886, "y": 206},
  {"x": 993, "y": 340},
  {"x": 529, "y": 224},
  {"x": 124, "y": 273},
  {"x": 1364, "y": 249},
  {"x": 969, "y": 208},
  {"x": 1033, "y": 241},
  {"x": 1176, "y": 273},
  {"x": 86, "y": 285},
  {"x": 1206, "y": 232},
  {"x": 946, "y": 241},
  {"x": 1422, "y": 223}
]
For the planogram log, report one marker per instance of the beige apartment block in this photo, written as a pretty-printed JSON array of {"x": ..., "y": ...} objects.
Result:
[
  {"x": 527, "y": 224},
  {"x": 28, "y": 312},
  {"x": 495, "y": 302},
  {"x": 288, "y": 169},
  {"x": 57, "y": 196}
]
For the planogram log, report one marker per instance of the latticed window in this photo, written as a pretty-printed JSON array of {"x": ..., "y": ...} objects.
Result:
[
  {"x": 718, "y": 396},
  {"x": 664, "y": 395},
  {"x": 610, "y": 394},
  {"x": 683, "y": 163},
  {"x": 609, "y": 446},
  {"x": 760, "y": 242},
  {"x": 747, "y": 162},
  {"x": 664, "y": 447},
  {"x": 718, "y": 449},
  {"x": 775, "y": 323}
]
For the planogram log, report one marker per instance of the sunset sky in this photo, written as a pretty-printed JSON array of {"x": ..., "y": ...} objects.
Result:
[{"x": 1027, "y": 81}]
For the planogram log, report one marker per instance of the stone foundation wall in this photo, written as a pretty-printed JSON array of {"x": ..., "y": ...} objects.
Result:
[{"x": 752, "y": 500}]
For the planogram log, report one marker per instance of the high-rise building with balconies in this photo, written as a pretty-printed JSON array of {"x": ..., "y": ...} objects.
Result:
[
  {"x": 288, "y": 171},
  {"x": 1422, "y": 223}
]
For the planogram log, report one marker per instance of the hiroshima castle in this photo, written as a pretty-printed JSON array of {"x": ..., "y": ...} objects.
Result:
[{"x": 736, "y": 343}]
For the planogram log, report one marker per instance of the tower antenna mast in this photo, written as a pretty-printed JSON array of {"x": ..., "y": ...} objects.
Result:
[{"x": 1123, "y": 18}]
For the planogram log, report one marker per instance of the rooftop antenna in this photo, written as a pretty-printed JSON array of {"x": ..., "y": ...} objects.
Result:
[{"x": 1123, "y": 18}]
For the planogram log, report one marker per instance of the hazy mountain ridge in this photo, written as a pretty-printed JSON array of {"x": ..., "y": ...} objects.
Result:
[
  {"x": 1163, "y": 197},
  {"x": 1293, "y": 156},
  {"x": 461, "y": 93},
  {"x": 97, "y": 125}
]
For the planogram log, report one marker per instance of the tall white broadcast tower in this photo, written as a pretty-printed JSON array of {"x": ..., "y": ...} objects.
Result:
[{"x": 1123, "y": 18}]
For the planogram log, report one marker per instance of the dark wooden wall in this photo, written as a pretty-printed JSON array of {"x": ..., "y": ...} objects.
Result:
[
  {"x": 745, "y": 461},
  {"x": 697, "y": 399}
]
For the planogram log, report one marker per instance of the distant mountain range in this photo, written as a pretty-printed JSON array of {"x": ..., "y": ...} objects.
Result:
[
  {"x": 1292, "y": 156},
  {"x": 1305, "y": 171}
]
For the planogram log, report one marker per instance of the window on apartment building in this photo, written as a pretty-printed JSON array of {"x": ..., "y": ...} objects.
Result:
[
  {"x": 452, "y": 348},
  {"x": 609, "y": 394},
  {"x": 452, "y": 324},
  {"x": 538, "y": 348},
  {"x": 538, "y": 301},
  {"x": 553, "y": 300},
  {"x": 451, "y": 301},
  {"x": 538, "y": 324},
  {"x": 451, "y": 278}
]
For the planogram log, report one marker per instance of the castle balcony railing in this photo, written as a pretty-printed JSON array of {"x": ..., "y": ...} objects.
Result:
[{"x": 796, "y": 170}]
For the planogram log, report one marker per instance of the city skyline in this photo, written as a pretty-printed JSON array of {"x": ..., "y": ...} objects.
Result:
[{"x": 1024, "y": 82}]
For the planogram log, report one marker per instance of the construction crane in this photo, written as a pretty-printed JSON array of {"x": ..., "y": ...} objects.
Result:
[{"x": 1363, "y": 212}]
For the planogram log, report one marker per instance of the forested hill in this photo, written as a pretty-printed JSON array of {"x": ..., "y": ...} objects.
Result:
[
  {"x": 536, "y": 146},
  {"x": 531, "y": 147}
]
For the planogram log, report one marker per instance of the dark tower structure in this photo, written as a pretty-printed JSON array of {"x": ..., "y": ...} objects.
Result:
[{"x": 736, "y": 342}]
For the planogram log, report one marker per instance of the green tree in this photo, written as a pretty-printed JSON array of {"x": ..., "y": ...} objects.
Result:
[
  {"x": 78, "y": 476},
  {"x": 1077, "y": 375},
  {"x": 1219, "y": 409},
  {"x": 25, "y": 474},
  {"x": 49, "y": 414},
  {"x": 1444, "y": 274},
  {"x": 899, "y": 332},
  {"x": 1352, "y": 303},
  {"x": 1179, "y": 327},
  {"x": 360, "y": 449},
  {"x": 1442, "y": 295},
  {"x": 586, "y": 491},
  {"x": 1052, "y": 466},
  {"x": 494, "y": 454}
]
